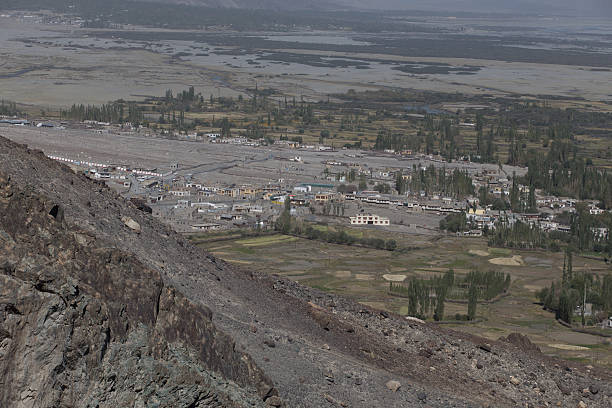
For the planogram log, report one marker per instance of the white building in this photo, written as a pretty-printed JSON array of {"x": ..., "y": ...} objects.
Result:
[
  {"x": 180, "y": 193},
  {"x": 301, "y": 189},
  {"x": 206, "y": 227},
  {"x": 183, "y": 204},
  {"x": 369, "y": 219}
]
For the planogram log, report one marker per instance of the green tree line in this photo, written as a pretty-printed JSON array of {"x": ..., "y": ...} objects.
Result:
[
  {"x": 116, "y": 112},
  {"x": 577, "y": 289},
  {"x": 426, "y": 297}
]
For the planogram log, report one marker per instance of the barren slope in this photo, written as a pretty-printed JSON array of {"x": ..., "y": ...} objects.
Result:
[{"x": 159, "y": 294}]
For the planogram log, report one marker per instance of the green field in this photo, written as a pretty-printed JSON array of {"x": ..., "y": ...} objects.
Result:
[{"x": 358, "y": 273}]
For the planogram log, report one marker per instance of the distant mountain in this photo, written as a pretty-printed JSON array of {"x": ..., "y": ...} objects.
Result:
[
  {"x": 542, "y": 7},
  {"x": 261, "y": 4}
]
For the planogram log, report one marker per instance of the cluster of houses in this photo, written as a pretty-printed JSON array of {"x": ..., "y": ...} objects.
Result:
[
  {"x": 44, "y": 17},
  {"x": 243, "y": 141},
  {"x": 104, "y": 171},
  {"x": 190, "y": 205},
  {"x": 193, "y": 205}
]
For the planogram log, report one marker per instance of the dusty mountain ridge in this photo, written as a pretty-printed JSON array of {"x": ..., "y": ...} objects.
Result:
[{"x": 101, "y": 305}]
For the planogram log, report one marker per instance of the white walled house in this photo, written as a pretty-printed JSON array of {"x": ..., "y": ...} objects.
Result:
[
  {"x": 369, "y": 219},
  {"x": 180, "y": 193}
]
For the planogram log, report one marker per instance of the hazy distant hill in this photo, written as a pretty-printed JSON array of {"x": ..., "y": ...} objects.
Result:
[
  {"x": 261, "y": 4},
  {"x": 545, "y": 7}
]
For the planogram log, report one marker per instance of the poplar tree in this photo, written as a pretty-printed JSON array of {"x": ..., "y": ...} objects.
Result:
[{"x": 472, "y": 301}]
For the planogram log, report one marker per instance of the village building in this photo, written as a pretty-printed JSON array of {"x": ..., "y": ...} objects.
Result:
[
  {"x": 206, "y": 227},
  {"x": 323, "y": 197},
  {"x": 369, "y": 219}
]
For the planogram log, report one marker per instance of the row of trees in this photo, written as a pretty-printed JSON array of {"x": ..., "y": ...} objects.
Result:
[
  {"x": 584, "y": 233},
  {"x": 437, "y": 136},
  {"x": 458, "y": 184},
  {"x": 454, "y": 222},
  {"x": 521, "y": 235},
  {"x": 587, "y": 233},
  {"x": 521, "y": 202},
  {"x": 555, "y": 123},
  {"x": 343, "y": 238},
  {"x": 426, "y": 297},
  {"x": 9, "y": 108},
  {"x": 172, "y": 109},
  {"x": 116, "y": 112},
  {"x": 485, "y": 144},
  {"x": 386, "y": 139},
  {"x": 487, "y": 285},
  {"x": 561, "y": 172},
  {"x": 577, "y": 289}
]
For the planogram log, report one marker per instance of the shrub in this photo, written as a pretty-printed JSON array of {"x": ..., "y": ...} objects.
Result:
[{"x": 391, "y": 245}]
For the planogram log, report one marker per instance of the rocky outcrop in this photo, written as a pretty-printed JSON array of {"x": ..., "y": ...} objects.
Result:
[
  {"x": 521, "y": 342},
  {"x": 85, "y": 325}
]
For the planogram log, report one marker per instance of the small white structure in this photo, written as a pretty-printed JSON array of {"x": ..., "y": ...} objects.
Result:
[
  {"x": 369, "y": 219},
  {"x": 470, "y": 233},
  {"x": 301, "y": 189},
  {"x": 180, "y": 193},
  {"x": 206, "y": 227},
  {"x": 183, "y": 204}
]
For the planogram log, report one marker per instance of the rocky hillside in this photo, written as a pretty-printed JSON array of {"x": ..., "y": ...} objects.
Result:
[
  {"x": 85, "y": 323},
  {"x": 101, "y": 305}
]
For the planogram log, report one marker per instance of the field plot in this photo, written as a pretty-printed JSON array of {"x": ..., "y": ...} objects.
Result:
[{"x": 364, "y": 274}]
